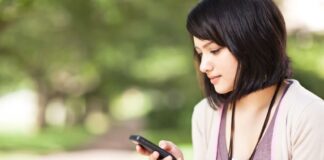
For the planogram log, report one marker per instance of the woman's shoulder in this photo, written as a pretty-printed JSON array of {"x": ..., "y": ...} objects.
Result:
[
  {"x": 203, "y": 107},
  {"x": 205, "y": 119},
  {"x": 204, "y": 112},
  {"x": 303, "y": 104},
  {"x": 299, "y": 96},
  {"x": 304, "y": 118}
]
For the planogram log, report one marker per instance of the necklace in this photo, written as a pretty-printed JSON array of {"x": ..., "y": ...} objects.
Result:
[{"x": 230, "y": 153}]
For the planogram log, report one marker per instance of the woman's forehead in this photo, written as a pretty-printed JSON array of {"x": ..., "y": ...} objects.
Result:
[{"x": 201, "y": 43}]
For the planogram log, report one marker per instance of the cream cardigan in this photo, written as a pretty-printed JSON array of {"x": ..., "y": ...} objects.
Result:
[{"x": 298, "y": 132}]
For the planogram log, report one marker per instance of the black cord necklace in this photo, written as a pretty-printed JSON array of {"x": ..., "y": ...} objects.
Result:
[{"x": 230, "y": 153}]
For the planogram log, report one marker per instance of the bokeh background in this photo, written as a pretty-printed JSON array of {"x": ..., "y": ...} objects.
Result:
[{"x": 77, "y": 77}]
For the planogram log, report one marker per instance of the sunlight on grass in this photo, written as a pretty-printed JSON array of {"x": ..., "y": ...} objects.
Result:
[{"x": 50, "y": 140}]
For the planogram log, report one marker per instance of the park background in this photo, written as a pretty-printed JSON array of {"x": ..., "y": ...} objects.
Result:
[{"x": 77, "y": 77}]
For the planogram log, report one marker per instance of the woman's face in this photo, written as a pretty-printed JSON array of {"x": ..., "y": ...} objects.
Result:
[{"x": 218, "y": 63}]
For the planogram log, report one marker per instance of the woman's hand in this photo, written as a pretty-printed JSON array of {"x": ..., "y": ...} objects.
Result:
[{"x": 166, "y": 145}]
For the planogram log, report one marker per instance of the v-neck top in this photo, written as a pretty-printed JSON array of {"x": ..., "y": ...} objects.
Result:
[{"x": 263, "y": 149}]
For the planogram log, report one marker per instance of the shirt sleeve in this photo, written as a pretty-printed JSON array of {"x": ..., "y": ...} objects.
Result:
[
  {"x": 308, "y": 139},
  {"x": 198, "y": 136}
]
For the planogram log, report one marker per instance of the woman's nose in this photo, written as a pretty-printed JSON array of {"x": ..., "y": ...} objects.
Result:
[{"x": 205, "y": 64}]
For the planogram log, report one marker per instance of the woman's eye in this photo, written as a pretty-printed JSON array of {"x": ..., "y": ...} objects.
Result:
[{"x": 215, "y": 51}]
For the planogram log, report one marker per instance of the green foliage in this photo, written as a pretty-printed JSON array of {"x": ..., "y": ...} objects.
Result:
[
  {"x": 307, "y": 55},
  {"x": 93, "y": 50}
]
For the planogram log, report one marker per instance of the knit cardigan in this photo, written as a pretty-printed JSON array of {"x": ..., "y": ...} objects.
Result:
[{"x": 298, "y": 132}]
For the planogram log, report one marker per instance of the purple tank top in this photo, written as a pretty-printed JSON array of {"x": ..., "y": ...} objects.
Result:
[{"x": 263, "y": 150}]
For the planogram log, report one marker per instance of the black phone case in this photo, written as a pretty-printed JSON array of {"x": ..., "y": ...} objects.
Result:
[{"x": 150, "y": 146}]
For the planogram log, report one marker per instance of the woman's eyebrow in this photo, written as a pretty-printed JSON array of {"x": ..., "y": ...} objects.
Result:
[{"x": 205, "y": 45}]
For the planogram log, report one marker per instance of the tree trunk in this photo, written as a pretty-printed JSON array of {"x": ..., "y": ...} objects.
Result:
[
  {"x": 94, "y": 102},
  {"x": 43, "y": 99}
]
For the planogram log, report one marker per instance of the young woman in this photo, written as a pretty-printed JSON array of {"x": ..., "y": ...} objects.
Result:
[{"x": 252, "y": 110}]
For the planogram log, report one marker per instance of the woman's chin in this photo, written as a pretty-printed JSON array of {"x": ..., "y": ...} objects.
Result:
[{"x": 222, "y": 90}]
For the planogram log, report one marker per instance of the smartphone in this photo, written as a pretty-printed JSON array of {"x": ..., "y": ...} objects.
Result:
[{"x": 149, "y": 146}]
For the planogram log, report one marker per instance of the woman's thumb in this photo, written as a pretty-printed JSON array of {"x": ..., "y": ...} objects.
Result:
[{"x": 165, "y": 145}]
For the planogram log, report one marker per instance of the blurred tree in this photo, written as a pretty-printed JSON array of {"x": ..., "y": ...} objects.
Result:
[
  {"x": 51, "y": 43},
  {"x": 97, "y": 49}
]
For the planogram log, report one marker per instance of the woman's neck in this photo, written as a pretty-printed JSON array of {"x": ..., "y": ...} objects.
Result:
[{"x": 256, "y": 101}]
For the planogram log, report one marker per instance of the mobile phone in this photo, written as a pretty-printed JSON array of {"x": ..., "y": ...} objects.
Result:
[{"x": 149, "y": 146}]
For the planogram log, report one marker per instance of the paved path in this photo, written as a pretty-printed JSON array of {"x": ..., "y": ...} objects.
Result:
[
  {"x": 117, "y": 137},
  {"x": 80, "y": 155},
  {"x": 95, "y": 155}
]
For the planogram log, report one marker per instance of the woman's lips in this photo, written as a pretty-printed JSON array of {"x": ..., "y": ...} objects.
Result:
[{"x": 214, "y": 79}]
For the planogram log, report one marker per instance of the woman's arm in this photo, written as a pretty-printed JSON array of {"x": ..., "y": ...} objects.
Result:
[{"x": 308, "y": 134}]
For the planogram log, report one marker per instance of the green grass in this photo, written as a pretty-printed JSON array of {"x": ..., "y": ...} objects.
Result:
[{"x": 49, "y": 140}]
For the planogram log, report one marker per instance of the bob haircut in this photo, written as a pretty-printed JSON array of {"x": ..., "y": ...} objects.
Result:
[{"x": 254, "y": 31}]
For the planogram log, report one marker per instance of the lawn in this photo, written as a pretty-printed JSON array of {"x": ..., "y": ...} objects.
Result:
[{"x": 48, "y": 141}]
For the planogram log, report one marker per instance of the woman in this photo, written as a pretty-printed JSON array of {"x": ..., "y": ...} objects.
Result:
[{"x": 252, "y": 109}]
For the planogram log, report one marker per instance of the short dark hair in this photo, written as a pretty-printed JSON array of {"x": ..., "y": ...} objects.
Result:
[{"x": 254, "y": 31}]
